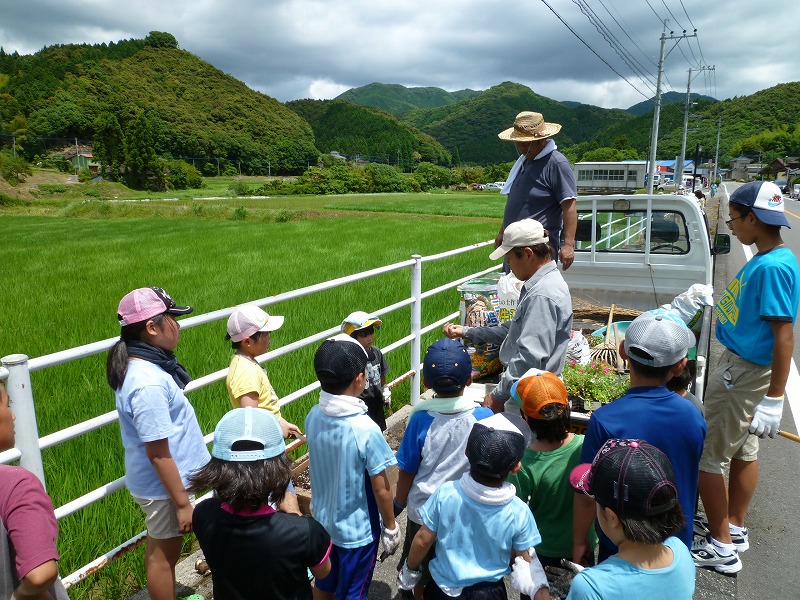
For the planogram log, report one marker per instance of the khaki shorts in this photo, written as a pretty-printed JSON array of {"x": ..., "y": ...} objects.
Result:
[
  {"x": 734, "y": 388},
  {"x": 161, "y": 518}
]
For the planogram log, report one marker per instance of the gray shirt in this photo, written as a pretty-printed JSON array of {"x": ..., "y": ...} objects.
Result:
[
  {"x": 538, "y": 191},
  {"x": 538, "y": 335}
]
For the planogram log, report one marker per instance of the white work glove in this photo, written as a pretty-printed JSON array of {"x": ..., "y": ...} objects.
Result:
[
  {"x": 387, "y": 396},
  {"x": 528, "y": 577},
  {"x": 767, "y": 417},
  {"x": 407, "y": 579},
  {"x": 390, "y": 538}
]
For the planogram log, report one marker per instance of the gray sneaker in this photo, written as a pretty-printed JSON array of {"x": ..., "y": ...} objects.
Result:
[
  {"x": 707, "y": 556},
  {"x": 740, "y": 540}
]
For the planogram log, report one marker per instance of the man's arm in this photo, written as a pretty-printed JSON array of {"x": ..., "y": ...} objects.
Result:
[
  {"x": 167, "y": 470},
  {"x": 570, "y": 216}
]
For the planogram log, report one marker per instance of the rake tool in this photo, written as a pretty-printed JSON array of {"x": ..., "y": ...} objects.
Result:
[{"x": 607, "y": 352}]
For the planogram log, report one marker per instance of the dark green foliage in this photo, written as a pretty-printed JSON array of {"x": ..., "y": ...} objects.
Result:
[
  {"x": 239, "y": 188},
  {"x": 143, "y": 168},
  {"x": 14, "y": 169},
  {"x": 161, "y": 39},
  {"x": 383, "y": 178},
  {"x": 368, "y": 133},
  {"x": 432, "y": 176},
  {"x": 85, "y": 175},
  {"x": 181, "y": 175},
  {"x": 397, "y": 99},
  {"x": 109, "y": 144}
]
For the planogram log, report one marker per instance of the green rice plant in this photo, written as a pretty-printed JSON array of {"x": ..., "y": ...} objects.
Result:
[{"x": 68, "y": 276}]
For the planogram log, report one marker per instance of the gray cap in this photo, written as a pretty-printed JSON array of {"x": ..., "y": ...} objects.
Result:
[{"x": 663, "y": 337}]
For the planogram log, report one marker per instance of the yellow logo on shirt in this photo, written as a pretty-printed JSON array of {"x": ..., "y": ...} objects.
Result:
[{"x": 727, "y": 310}]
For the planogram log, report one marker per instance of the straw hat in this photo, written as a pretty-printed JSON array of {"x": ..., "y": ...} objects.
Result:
[{"x": 528, "y": 127}]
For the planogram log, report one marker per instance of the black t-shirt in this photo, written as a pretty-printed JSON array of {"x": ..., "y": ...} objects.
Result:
[
  {"x": 373, "y": 393},
  {"x": 259, "y": 557}
]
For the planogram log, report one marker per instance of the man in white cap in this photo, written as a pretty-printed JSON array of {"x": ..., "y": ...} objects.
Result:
[
  {"x": 541, "y": 185},
  {"x": 538, "y": 335}
]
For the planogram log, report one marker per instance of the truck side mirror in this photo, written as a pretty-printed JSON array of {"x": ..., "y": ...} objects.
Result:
[{"x": 722, "y": 244}]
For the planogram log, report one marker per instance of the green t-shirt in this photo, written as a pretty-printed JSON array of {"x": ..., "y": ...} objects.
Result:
[{"x": 543, "y": 482}]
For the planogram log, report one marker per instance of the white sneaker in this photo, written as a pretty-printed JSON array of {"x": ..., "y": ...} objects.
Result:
[
  {"x": 741, "y": 540},
  {"x": 707, "y": 556}
]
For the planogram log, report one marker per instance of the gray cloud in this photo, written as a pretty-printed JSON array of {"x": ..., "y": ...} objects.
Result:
[{"x": 293, "y": 49}]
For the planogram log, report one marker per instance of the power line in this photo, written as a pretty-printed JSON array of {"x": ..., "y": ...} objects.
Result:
[
  {"x": 625, "y": 31},
  {"x": 612, "y": 41},
  {"x": 673, "y": 16},
  {"x": 592, "y": 49},
  {"x": 687, "y": 15}
]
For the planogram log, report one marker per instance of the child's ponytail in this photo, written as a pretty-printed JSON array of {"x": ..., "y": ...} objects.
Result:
[{"x": 117, "y": 361}]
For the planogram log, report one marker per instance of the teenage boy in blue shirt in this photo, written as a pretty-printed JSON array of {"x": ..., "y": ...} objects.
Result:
[
  {"x": 744, "y": 396},
  {"x": 655, "y": 346},
  {"x": 349, "y": 456}
]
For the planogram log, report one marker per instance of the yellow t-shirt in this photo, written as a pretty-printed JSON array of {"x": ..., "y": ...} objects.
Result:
[{"x": 246, "y": 376}]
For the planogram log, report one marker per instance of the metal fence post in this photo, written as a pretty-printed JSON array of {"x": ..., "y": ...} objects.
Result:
[
  {"x": 416, "y": 326},
  {"x": 21, "y": 396}
]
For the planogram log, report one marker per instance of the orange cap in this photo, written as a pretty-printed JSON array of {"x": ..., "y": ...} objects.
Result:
[{"x": 536, "y": 389}]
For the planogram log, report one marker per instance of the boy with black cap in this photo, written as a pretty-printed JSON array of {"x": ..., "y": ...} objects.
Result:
[
  {"x": 348, "y": 461},
  {"x": 433, "y": 448},
  {"x": 745, "y": 392},
  {"x": 655, "y": 347},
  {"x": 477, "y": 523},
  {"x": 632, "y": 485},
  {"x": 543, "y": 480}
]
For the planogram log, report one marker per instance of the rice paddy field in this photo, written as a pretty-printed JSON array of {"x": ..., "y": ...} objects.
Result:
[{"x": 66, "y": 262}]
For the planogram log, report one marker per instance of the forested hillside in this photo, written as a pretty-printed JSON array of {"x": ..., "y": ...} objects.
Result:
[
  {"x": 398, "y": 99},
  {"x": 471, "y": 126},
  {"x": 195, "y": 109},
  {"x": 774, "y": 109},
  {"x": 368, "y": 132},
  {"x": 647, "y": 106}
]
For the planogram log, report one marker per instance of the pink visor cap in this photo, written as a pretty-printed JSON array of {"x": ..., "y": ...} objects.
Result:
[{"x": 145, "y": 303}]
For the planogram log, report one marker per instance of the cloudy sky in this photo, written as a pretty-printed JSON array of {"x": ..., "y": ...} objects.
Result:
[{"x": 292, "y": 49}]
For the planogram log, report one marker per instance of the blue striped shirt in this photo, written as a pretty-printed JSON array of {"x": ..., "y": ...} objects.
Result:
[{"x": 344, "y": 453}]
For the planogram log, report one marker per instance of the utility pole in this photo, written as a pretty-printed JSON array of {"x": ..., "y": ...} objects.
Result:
[
  {"x": 687, "y": 107},
  {"x": 657, "y": 112},
  {"x": 77, "y": 157},
  {"x": 716, "y": 154}
]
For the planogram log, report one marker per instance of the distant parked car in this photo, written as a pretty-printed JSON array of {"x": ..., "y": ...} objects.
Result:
[
  {"x": 478, "y": 186},
  {"x": 796, "y": 191},
  {"x": 497, "y": 186}
]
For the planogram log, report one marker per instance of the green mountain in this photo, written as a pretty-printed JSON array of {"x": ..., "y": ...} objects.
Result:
[
  {"x": 647, "y": 106},
  {"x": 774, "y": 109},
  {"x": 397, "y": 99},
  {"x": 370, "y": 133},
  {"x": 471, "y": 126},
  {"x": 196, "y": 109}
]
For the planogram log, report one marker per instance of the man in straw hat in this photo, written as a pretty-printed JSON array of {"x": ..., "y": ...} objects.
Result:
[{"x": 541, "y": 185}]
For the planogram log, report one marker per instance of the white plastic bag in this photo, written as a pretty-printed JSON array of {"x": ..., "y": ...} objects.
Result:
[
  {"x": 578, "y": 349},
  {"x": 689, "y": 305},
  {"x": 508, "y": 290}
]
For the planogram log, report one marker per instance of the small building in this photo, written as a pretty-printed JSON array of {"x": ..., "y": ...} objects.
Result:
[{"x": 624, "y": 176}]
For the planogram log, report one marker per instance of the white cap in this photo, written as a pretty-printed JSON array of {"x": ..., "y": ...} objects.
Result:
[
  {"x": 246, "y": 320},
  {"x": 520, "y": 234}
]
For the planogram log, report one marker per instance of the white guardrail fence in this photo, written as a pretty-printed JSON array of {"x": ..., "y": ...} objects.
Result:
[{"x": 17, "y": 368}]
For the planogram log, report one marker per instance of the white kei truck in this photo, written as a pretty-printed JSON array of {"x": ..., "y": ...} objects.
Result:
[{"x": 639, "y": 252}]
